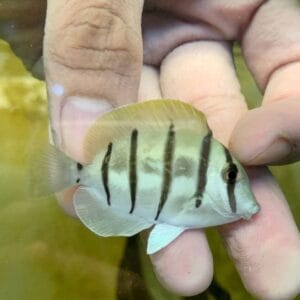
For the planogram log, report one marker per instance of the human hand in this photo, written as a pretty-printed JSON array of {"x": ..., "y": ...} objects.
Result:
[{"x": 93, "y": 60}]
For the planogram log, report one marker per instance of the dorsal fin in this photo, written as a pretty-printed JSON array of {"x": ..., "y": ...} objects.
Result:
[{"x": 152, "y": 115}]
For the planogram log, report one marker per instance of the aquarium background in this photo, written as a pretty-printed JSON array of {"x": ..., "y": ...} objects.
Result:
[{"x": 44, "y": 253}]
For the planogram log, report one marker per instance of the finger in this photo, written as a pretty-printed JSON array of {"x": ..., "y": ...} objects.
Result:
[
  {"x": 93, "y": 57},
  {"x": 149, "y": 84},
  {"x": 272, "y": 40},
  {"x": 275, "y": 63},
  {"x": 178, "y": 23},
  {"x": 205, "y": 77},
  {"x": 177, "y": 266},
  {"x": 200, "y": 73},
  {"x": 269, "y": 134},
  {"x": 185, "y": 266},
  {"x": 266, "y": 251}
]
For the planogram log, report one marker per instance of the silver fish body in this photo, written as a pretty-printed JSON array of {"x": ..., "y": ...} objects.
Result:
[
  {"x": 153, "y": 163},
  {"x": 174, "y": 187}
]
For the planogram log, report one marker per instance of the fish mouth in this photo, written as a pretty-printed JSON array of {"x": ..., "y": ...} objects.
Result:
[{"x": 254, "y": 209}]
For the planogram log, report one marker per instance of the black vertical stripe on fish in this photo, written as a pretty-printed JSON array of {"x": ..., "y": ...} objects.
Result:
[
  {"x": 231, "y": 181},
  {"x": 79, "y": 166},
  {"x": 132, "y": 167},
  {"x": 167, "y": 173},
  {"x": 104, "y": 171},
  {"x": 228, "y": 156},
  {"x": 231, "y": 196},
  {"x": 203, "y": 166}
]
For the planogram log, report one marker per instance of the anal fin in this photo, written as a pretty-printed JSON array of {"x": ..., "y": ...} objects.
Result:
[{"x": 105, "y": 220}]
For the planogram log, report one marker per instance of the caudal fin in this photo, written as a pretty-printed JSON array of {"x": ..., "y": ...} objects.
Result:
[{"x": 50, "y": 171}]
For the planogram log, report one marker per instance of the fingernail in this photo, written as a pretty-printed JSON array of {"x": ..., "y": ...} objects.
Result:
[
  {"x": 77, "y": 116},
  {"x": 275, "y": 152}
]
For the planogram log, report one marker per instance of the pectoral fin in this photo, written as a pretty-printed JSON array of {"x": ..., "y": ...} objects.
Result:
[
  {"x": 105, "y": 220},
  {"x": 162, "y": 235}
]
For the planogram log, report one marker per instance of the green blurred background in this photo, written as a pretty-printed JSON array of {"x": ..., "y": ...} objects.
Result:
[{"x": 46, "y": 254}]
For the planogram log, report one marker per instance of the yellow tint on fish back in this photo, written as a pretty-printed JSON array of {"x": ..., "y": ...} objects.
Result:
[{"x": 147, "y": 116}]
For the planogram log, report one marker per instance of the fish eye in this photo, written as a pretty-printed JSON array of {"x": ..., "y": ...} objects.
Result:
[{"x": 231, "y": 174}]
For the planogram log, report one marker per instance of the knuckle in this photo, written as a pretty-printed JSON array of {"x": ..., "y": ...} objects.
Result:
[{"x": 95, "y": 37}]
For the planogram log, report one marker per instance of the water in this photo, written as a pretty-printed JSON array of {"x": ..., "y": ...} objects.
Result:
[{"x": 45, "y": 254}]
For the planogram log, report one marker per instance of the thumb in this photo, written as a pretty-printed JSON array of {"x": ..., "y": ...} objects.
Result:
[
  {"x": 93, "y": 58},
  {"x": 269, "y": 134}
]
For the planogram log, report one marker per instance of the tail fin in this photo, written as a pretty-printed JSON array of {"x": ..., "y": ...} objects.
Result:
[{"x": 50, "y": 171}]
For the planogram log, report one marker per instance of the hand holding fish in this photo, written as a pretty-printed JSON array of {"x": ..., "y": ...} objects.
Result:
[{"x": 98, "y": 58}]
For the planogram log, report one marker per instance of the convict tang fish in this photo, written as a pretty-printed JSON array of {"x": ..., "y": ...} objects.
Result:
[{"x": 152, "y": 163}]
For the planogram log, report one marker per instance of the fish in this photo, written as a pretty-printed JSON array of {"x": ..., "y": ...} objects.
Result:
[{"x": 152, "y": 164}]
